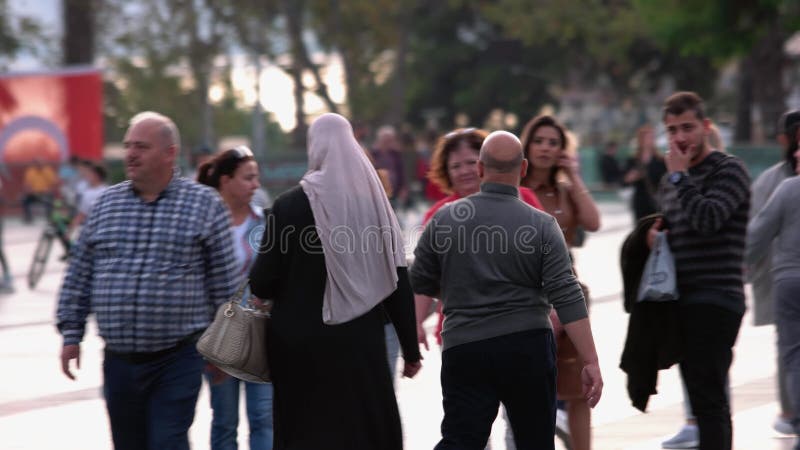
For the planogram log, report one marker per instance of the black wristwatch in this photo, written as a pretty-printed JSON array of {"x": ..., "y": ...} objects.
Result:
[{"x": 677, "y": 177}]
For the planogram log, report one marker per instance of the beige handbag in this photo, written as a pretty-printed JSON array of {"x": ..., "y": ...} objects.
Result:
[{"x": 236, "y": 341}]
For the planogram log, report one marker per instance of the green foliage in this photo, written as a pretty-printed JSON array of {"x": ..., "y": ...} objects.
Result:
[
  {"x": 719, "y": 28},
  {"x": 17, "y": 33}
]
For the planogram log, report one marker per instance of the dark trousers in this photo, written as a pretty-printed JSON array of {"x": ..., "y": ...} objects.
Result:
[
  {"x": 709, "y": 333},
  {"x": 518, "y": 370},
  {"x": 787, "y": 320},
  {"x": 3, "y": 262},
  {"x": 151, "y": 403},
  {"x": 28, "y": 200}
]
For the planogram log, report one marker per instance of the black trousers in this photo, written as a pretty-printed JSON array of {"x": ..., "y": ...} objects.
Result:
[
  {"x": 709, "y": 333},
  {"x": 518, "y": 370}
]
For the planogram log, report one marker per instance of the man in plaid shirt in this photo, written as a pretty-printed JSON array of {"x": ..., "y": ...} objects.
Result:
[{"x": 153, "y": 262}]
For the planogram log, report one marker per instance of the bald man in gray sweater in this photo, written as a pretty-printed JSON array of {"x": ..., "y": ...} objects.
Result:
[{"x": 498, "y": 265}]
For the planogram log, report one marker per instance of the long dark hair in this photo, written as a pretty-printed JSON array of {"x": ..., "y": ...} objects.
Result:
[
  {"x": 225, "y": 163},
  {"x": 527, "y": 137},
  {"x": 792, "y": 148}
]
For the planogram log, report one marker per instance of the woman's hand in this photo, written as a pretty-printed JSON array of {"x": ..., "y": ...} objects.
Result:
[
  {"x": 410, "y": 369},
  {"x": 216, "y": 374},
  {"x": 633, "y": 175},
  {"x": 571, "y": 165}
]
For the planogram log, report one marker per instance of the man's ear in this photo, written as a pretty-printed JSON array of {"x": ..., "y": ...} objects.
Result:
[
  {"x": 480, "y": 168},
  {"x": 172, "y": 152},
  {"x": 523, "y": 169}
]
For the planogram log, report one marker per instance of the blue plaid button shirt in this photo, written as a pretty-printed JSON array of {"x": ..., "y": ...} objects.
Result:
[{"x": 152, "y": 273}]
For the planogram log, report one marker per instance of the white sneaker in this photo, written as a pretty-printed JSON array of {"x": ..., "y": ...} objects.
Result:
[
  {"x": 562, "y": 423},
  {"x": 687, "y": 437},
  {"x": 562, "y": 428},
  {"x": 783, "y": 426}
]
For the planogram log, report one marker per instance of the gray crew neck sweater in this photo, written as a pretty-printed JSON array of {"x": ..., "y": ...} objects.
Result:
[
  {"x": 778, "y": 220},
  {"x": 498, "y": 265}
]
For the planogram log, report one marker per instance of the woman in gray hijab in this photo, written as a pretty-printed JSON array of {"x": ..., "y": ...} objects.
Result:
[{"x": 332, "y": 260}]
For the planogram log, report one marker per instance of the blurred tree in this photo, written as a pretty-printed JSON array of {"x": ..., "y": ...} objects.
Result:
[
  {"x": 370, "y": 38},
  {"x": 17, "y": 33},
  {"x": 463, "y": 64},
  {"x": 8, "y": 43},
  {"x": 79, "y": 26},
  {"x": 603, "y": 44},
  {"x": 252, "y": 22},
  {"x": 752, "y": 30},
  {"x": 172, "y": 45}
]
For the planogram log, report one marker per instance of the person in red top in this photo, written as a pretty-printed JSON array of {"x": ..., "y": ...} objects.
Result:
[{"x": 454, "y": 168}]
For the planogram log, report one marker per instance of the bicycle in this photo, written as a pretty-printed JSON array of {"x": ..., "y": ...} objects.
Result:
[{"x": 57, "y": 224}]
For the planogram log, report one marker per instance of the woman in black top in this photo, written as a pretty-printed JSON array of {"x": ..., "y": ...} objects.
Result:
[{"x": 643, "y": 172}]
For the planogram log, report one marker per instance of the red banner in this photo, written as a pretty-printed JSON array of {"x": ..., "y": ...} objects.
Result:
[{"x": 51, "y": 116}]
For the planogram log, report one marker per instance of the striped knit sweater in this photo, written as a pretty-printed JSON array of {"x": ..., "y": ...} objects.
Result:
[{"x": 707, "y": 219}]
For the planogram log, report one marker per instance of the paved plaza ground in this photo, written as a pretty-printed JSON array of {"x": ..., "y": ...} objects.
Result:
[{"x": 42, "y": 409}]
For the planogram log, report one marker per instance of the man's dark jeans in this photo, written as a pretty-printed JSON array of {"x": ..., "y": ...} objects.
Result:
[
  {"x": 151, "y": 403},
  {"x": 517, "y": 369},
  {"x": 709, "y": 333},
  {"x": 28, "y": 200}
]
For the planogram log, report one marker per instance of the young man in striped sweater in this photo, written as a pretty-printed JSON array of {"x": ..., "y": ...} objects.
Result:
[{"x": 705, "y": 200}]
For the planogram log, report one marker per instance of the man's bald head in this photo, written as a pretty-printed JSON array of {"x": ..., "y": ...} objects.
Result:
[{"x": 501, "y": 152}]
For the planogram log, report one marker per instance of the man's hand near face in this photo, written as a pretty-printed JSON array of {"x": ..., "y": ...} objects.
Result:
[{"x": 678, "y": 159}]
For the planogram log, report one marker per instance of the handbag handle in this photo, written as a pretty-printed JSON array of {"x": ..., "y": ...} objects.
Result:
[
  {"x": 240, "y": 290},
  {"x": 238, "y": 297}
]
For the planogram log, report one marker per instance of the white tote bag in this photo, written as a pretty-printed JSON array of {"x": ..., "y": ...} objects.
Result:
[{"x": 659, "y": 282}]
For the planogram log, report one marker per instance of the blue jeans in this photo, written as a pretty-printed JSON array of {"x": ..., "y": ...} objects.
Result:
[
  {"x": 151, "y": 401},
  {"x": 225, "y": 404}
]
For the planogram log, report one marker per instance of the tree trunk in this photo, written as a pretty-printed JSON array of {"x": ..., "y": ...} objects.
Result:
[
  {"x": 78, "y": 40},
  {"x": 769, "y": 92},
  {"x": 201, "y": 54},
  {"x": 206, "y": 111},
  {"x": 294, "y": 10},
  {"x": 397, "y": 111},
  {"x": 744, "y": 102},
  {"x": 294, "y": 21},
  {"x": 301, "y": 128},
  {"x": 258, "y": 140}
]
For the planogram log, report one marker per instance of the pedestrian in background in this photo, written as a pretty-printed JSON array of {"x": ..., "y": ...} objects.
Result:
[
  {"x": 39, "y": 186},
  {"x": 94, "y": 175},
  {"x": 779, "y": 222},
  {"x": 234, "y": 174},
  {"x": 643, "y": 172},
  {"x": 759, "y": 273},
  {"x": 388, "y": 155},
  {"x": 610, "y": 171},
  {"x": 153, "y": 263}
]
